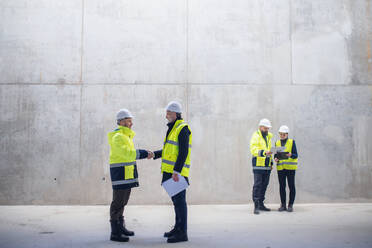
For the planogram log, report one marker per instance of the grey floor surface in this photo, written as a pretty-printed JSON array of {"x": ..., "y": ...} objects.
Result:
[{"x": 311, "y": 225}]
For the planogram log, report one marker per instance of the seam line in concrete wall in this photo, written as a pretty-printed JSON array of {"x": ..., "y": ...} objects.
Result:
[
  {"x": 290, "y": 39},
  {"x": 82, "y": 41},
  {"x": 187, "y": 59},
  {"x": 190, "y": 84},
  {"x": 80, "y": 128}
]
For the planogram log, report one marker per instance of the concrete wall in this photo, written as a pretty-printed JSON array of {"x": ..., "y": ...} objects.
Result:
[{"x": 67, "y": 66}]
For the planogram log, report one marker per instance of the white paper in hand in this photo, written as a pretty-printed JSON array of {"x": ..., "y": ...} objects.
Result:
[
  {"x": 277, "y": 149},
  {"x": 173, "y": 187}
]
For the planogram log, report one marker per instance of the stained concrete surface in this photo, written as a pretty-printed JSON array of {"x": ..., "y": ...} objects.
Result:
[
  {"x": 310, "y": 225},
  {"x": 67, "y": 67}
]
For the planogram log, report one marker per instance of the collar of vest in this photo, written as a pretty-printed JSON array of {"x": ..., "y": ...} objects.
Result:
[
  {"x": 178, "y": 122},
  {"x": 127, "y": 131}
]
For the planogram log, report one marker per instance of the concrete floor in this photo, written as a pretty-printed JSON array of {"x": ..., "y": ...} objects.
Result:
[{"x": 311, "y": 225}]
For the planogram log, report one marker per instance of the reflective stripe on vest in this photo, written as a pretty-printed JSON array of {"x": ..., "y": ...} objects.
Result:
[
  {"x": 261, "y": 168},
  {"x": 262, "y": 144},
  {"x": 171, "y": 150},
  {"x": 122, "y": 164},
  {"x": 128, "y": 181},
  {"x": 173, "y": 163},
  {"x": 173, "y": 143},
  {"x": 123, "y": 168},
  {"x": 290, "y": 163}
]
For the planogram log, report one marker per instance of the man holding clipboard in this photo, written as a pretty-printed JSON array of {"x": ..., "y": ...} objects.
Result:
[{"x": 175, "y": 168}]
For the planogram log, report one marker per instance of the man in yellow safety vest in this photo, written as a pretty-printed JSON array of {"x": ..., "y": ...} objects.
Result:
[
  {"x": 175, "y": 163},
  {"x": 123, "y": 172},
  {"x": 260, "y": 147}
]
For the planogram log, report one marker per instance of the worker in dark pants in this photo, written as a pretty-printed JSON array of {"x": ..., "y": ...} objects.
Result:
[
  {"x": 286, "y": 166},
  {"x": 260, "y": 146},
  {"x": 123, "y": 172},
  {"x": 176, "y": 162}
]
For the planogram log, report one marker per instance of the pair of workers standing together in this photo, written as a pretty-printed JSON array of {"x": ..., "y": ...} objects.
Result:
[
  {"x": 124, "y": 176},
  {"x": 176, "y": 161},
  {"x": 262, "y": 163}
]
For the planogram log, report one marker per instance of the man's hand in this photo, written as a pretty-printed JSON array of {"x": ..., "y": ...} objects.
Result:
[
  {"x": 268, "y": 154},
  {"x": 150, "y": 154},
  {"x": 175, "y": 177},
  {"x": 289, "y": 154}
]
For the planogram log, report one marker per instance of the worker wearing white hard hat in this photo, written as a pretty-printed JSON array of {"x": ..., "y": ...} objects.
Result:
[
  {"x": 176, "y": 164},
  {"x": 286, "y": 164},
  {"x": 260, "y": 147},
  {"x": 123, "y": 114},
  {"x": 265, "y": 123},
  {"x": 174, "y": 106},
  {"x": 123, "y": 172}
]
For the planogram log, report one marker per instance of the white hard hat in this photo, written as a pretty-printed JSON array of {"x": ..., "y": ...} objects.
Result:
[
  {"x": 123, "y": 113},
  {"x": 174, "y": 106},
  {"x": 265, "y": 123},
  {"x": 284, "y": 129}
]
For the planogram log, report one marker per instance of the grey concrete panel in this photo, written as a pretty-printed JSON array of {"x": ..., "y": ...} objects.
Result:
[
  {"x": 147, "y": 104},
  {"x": 303, "y": 63},
  {"x": 39, "y": 145},
  {"x": 360, "y": 42},
  {"x": 329, "y": 125},
  {"x": 40, "y": 41},
  {"x": 239, "y": 41},
  {"x": 320, "y": 31},
  {"x": 41, "y": 141},
  {"x": 129, "y": 42}
]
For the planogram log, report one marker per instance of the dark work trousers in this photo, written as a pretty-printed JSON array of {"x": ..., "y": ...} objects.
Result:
[
  {"x": 120, "y": 198},
  {"x": 289, "y": 175},
  {"x": 180, "y": 209},
  {"x": 260, "y": 185}
]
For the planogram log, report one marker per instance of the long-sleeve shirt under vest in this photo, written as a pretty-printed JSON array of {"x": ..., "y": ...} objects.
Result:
[
  {"x": 183, "y": 142},
  {"x": 294, "y": 149}
]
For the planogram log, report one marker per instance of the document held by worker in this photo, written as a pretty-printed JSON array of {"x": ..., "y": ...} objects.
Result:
[
  {"x": 277, "y": 149},
  {"x": 172, "y": 187}
]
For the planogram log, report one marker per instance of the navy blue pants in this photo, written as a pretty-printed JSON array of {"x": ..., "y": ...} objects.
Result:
[
  {"x": 261, "y": 180},
  {"x": 288, "y": 175},
  {"x": 180, "y": 209}
]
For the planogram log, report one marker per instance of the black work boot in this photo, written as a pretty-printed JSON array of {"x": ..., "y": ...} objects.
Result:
[
  {"x": 123, "y": 229},
  {"x": 170, "y": 233},
  {"x": 263, "y": 208},
  {"x": 290, "y": 208},
  {"x": 256, "y": 208},
  {"x": 178, "y": 236},
  {"x": 116, "y": 234},
  {"x": 282, "y": 208}
]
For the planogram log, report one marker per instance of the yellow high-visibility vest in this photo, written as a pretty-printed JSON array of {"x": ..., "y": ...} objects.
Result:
[
  {"x": 290, "y": 163},
  {"x": 171, "y": 149},
  {"x": 123, "y": 156},
  {"x": 259, "y": 147}
]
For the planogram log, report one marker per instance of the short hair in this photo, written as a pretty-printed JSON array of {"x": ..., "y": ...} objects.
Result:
[{"x": 178, "y": 115}]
